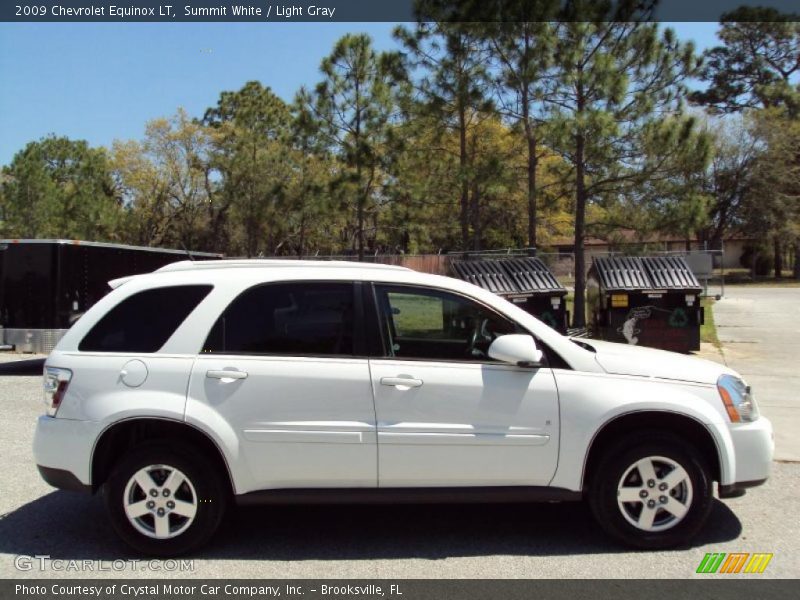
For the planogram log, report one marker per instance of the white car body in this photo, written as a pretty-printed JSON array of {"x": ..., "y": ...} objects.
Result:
[{"x": 331, "y": 422}]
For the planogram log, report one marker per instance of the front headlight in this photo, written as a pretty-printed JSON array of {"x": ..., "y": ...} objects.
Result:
[{"x": 737, "y": 398}]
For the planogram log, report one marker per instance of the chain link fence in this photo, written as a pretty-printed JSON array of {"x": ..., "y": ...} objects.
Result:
[{"x": 705, "y": 264}]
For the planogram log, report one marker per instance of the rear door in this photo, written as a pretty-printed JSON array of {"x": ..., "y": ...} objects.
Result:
[{"x": 283, "y": 369}]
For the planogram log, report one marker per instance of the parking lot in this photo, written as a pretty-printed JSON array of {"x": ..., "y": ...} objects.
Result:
[{"x": 481, "y": 541}]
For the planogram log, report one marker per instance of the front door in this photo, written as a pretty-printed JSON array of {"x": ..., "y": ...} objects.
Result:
[
  {"x": 447, "y": 414},
  {"x": 279, "y": 372}
]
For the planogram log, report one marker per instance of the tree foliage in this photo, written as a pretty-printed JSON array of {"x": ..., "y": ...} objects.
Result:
[
  {"x": 616, "y": 92},
  {"x": 756, "y": 71},
  {"x": 59, "y": 188},
  {"x": 757, "y": 64},
  {"x": 524, "y": 53},
  {"x": 454, "y": 93},
  {"x": 478, "y": 134},
  {"x": 354, "y": 105},
  {"x": 162, "y": 183},
  {"x": 251, "y": 130}
]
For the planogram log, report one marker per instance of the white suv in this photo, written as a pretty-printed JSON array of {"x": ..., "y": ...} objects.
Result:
[{"x": 206, "y": 383}]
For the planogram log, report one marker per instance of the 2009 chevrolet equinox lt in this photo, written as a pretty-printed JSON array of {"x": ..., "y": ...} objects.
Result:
[{"x": 207, "y": 383}]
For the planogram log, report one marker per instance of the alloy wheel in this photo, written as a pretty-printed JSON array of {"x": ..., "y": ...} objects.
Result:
[
  {"x": 654, "y": 493},
  {"x": 160, "y": 501}
]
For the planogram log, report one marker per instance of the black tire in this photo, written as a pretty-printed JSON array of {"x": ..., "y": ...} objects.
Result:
[
  {"x": 617, "y": 461},
  {"x": 209, "y": 493}
]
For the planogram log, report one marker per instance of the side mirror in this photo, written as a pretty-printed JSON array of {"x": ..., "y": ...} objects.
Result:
[{"x": 516, "y": 349}]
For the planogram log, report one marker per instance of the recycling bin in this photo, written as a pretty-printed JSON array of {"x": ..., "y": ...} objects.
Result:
[
  {"x": 645, "y": 301},
  {"x": 525, "y": 281}
]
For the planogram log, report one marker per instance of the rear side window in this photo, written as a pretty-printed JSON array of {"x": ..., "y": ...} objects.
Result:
[
  {"x": 291, "y": 319},
  {"x": 144, "y": 321}
]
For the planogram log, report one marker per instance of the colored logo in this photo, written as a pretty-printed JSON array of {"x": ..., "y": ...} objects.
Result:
[
  {"x": 735, "y": 562},
  {"x": 678, "y": 318}
]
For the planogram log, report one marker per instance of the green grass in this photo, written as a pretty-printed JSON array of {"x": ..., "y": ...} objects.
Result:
[
  {"x": 708, "y": 330},
  {"x": 742, "y": 277},
  {"x": 767, "y": 282},
  {"x": 416, "y": 315}
]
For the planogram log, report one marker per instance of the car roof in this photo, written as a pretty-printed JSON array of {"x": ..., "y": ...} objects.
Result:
[
  {"x": 274, "y": 268},
  {"x": 260, "y": 263}
]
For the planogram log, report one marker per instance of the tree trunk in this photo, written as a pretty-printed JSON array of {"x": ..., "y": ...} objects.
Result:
[
  {"x": 579, "y": 307},
  {"x": 778, "y": 265},
  {"x": 532, "y": 160},
  {"x": 360, "y": 231},
  {"x": 373, "y": 236},
  {"x": 462, "y": 163},
  {"x": 302, "y": 241},
  {"x": 362, "y": 197},
  {"x": 406, "y": 237},
  {"x": 476, "y": 217},
  {"x": 796, "y": 267}
]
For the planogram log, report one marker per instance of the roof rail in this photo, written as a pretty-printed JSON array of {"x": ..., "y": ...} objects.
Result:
[{"x": 251, "y": 263}]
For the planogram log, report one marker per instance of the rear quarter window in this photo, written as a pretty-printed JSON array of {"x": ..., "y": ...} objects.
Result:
[{"x": 144, "y": 321}]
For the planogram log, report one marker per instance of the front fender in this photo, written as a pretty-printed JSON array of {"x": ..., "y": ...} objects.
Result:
[{"x": 589, "y": 401}]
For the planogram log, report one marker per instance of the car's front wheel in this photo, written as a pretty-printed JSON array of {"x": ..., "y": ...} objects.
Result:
[
  {"x": 651, "y": 491},
  {"x": 164, "y": 501}
]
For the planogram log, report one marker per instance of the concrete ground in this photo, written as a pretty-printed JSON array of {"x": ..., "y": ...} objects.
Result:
[
  {"x": 759, "y": 328},
  {"x": 392, "y": 542}
]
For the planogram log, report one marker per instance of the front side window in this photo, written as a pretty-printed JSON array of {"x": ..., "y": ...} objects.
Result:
[
  {"x": 436, "y": 325},
  {"x": 144, "y": 321},
  {"x": 291, "y": 319}
]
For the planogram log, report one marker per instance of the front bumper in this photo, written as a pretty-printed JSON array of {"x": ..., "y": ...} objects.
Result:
[
  {"x": 63, "y": 451},
  {"x": 736, "y": 490},
  {"x": 754, "y": 445}
]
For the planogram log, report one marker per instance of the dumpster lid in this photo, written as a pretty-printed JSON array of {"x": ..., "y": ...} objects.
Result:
[
  {"x": 525, "y": 275},
  {"x": 488, "y": 274},
  {"x": 531, "y": 275},
  {"x": 632, "y": 273},
  {"x": 671, "y": 273},
  {"x": 621, "y": 273}
]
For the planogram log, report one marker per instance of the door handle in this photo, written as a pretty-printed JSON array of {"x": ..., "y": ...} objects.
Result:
[
  {"x": 401, "y": 382},
  {"x": 226, "y": 375}
]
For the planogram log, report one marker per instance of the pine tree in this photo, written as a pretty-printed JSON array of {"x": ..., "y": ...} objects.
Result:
[
  {"x": 615, "y": 83},
  {"x": 354, "y": 104}
]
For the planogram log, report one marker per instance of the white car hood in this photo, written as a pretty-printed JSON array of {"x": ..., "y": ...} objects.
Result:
[{"x": 625, "y": 359}]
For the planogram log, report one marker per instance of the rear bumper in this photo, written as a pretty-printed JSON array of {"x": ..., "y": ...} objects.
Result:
[
  {"x": 63, "y": 451},
  {"x": 63, "y": 480}
]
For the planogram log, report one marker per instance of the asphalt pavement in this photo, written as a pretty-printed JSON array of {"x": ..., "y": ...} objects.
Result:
[
  {"x": 394, "y": 542},
  {"x": 759, "y": 328}
]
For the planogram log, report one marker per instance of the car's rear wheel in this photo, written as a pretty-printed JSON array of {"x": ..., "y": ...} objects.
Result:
[
  {"x": 165, "y": 500},
  {"x": 651, "y": 490}
]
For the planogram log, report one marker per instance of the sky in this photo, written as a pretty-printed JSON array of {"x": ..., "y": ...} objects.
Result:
[{"x": 103, "y": 81}]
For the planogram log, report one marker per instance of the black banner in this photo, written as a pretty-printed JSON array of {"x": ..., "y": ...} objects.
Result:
[
  {"x": 381, "y": 10},
  {"x": 413, "y": 589}
]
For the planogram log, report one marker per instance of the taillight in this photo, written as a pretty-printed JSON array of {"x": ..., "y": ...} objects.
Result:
[{"x": 55, "y": 387}]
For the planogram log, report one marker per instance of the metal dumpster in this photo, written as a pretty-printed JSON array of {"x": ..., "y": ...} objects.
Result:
[
  {"x": 526, "y": 281},
  {"x": 649, "y": 301}
]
